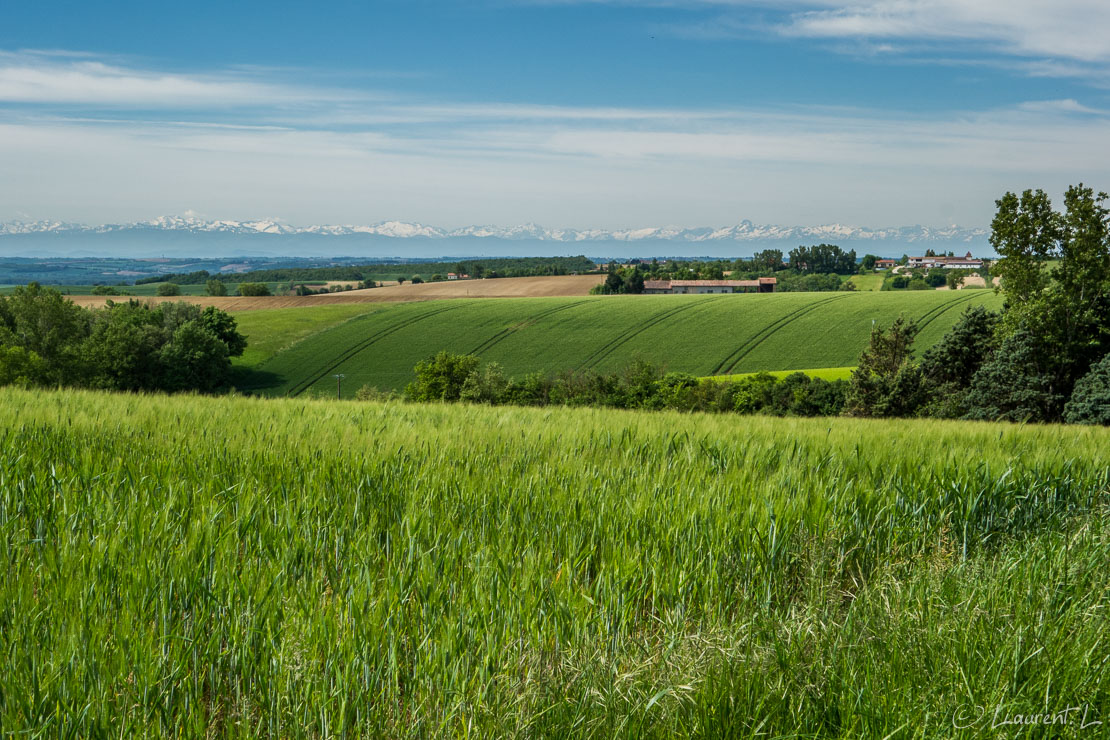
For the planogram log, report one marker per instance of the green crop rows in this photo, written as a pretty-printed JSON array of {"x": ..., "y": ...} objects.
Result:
[
  {"x": 213, "y": 567},
  {"x": 703, "y": 335}
]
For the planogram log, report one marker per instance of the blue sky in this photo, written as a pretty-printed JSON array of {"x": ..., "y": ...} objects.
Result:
[{"x": 562, "y": 112}]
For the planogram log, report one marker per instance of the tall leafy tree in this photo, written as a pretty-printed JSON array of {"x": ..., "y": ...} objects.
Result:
[
  {"x": 1025, "y": 232},
  {"x": 886, "y": 382}
]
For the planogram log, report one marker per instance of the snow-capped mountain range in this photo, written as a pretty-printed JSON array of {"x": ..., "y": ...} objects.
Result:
[{"x": 745, "y": 231}]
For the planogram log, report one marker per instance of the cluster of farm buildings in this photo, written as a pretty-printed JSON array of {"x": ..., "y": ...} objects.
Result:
[
  {"x": 701, "y": 287},
  {"x": 967, "y": 262}
]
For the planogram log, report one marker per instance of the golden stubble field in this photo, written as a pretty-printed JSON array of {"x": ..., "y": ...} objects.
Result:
[{"x": 544, "y": 286}]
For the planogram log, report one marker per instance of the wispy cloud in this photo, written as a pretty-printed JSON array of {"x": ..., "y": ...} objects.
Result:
[
  {"x": 66, "y": 78},
  {"x": 1071, "y": 30},
  {"x": 92, "y": 139}
]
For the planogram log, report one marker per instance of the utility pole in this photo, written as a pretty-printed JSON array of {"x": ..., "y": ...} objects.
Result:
[{"x": 339, "y": 385}]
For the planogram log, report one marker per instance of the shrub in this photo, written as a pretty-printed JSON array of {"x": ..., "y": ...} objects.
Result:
[
  {"x": 441, "y": 378},
  {"x": 373, "y": 393},
  {"x": 1016, "y": 384},
  {"x": 485, "y": 385},
  {"x": 886, "y": 383},
  {"x": 169, "y": 289},
  {"x": 253, "y": 289},
  {"x": 1090, "y": 401},
  {"x": 753, "y": 393},
  {"x": 215, "y": 287}
]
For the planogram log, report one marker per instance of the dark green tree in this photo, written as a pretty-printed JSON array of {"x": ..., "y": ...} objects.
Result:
[
  {"x": 886, "y": 382},
  {"x": 1018, "y": 383},
  {"x": 46, "y": 324},
  {"x": 1025, "y": 231},
  {"x": 949, "y": 366},
  {"x": 441, "y": 378},
  {"x": 253, "y": 289},
  {"x": 634, "y": 283},
  {"x": 1090, "y": 401},
  {"x": 215, "y": 287},
  {"x": 169, "y": 289}
]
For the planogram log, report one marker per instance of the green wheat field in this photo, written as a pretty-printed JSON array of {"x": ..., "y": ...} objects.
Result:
[
  {"x": 293, "y": 351},
  {"x": 187, "y": 566}
]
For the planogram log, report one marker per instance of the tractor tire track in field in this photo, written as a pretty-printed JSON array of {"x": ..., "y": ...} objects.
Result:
[
  {"x": 505, "y": 333},
  {"x": 347, "y": 354},
  {"x": 607, "y": 349},
  {"x": 946, "y": 307},
  {"x": 725, "y": 366},
  {"x": 935, "y": 310}
]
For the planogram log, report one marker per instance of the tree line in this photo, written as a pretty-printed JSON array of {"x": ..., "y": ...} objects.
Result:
[
  {"x": 641, "y": 385},
  {"x": 48, "y": 341},
  {"x": 1044, "y": 358},
  {"x": 485, "y": 268},
  {"x": 821, "y": 267}
]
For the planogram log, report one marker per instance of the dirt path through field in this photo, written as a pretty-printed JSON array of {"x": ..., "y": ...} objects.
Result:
[{"x": 562, "y": 285}]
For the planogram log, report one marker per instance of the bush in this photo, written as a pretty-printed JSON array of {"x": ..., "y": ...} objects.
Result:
[
  {"x": 949, "y": 366},
  {"x": 886, "y": 383},
  {"x": 105, "y": 290},
  {"x": 373, "y": 393},
  {"x": 1090, "y": 401},
  {"x": 441, "y": 378},
  {"x": 485, "y": 385},
  {"x": 253, "y": 289},
  {"x": 1016, "y": 383},
  {"x": 169, "y": 289},
  {"x": 753, "y": 393},
  {"x": 215, "y": 287}
]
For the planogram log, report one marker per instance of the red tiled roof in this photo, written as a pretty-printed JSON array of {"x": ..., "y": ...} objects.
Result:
[
  {"x": 723, "y": 283},
  {"x": 667, "y": 284}
]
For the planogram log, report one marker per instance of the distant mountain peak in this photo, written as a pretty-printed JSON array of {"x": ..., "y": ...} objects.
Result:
[{"x": 744, "y": 231}]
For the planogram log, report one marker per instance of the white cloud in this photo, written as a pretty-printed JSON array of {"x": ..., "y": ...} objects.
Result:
[
  {"x": 1076, "y": 30},
  {"x": 323, "y": 155},
  {"x": 1071, "y": 29},
  {"x": 57, "y": 77},
  {"x": 803, "y": 165}
]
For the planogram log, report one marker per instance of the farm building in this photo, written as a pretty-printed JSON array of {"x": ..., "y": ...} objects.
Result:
[
  {"x": 661, "y": 287},
  {"x": 885, "y": 264},
  {"x": 967, "y": 262}
]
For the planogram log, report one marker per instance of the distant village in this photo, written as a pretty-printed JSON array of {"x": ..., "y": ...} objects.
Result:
[{"x": 652, "y": 285}]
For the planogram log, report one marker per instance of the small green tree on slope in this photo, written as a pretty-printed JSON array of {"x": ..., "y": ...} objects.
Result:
[{"x": 887, "y": 382}]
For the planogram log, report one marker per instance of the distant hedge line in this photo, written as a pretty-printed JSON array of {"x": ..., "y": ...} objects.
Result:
[{"x": 487, "y": 268}]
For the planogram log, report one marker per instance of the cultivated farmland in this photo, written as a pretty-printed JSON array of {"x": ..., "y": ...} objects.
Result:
[
  {"x": 703, "y": 335},
  {"x": 187, "y": 567},
  {"x": 555, "y": 285}
]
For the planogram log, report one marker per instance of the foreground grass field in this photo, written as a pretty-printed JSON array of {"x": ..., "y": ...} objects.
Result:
[
  {"x": 179, "y": 566},
  {"x": 703, "y": 335}
]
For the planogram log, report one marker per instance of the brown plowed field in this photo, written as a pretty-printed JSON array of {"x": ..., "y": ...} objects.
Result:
[{"x": 563, "y": 285}]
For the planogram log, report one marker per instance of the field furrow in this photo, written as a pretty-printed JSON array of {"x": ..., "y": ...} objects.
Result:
[{"x": 702, "y": 335}]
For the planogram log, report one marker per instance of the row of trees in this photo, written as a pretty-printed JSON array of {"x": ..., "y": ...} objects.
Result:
[
  {"x": 488, "y": 268},
  {"x": 453, "y": 377},
  {"x": 46, "y": 340},
  {"x": 1045, "y": 357},
  {"x": 814, "y": 268}
]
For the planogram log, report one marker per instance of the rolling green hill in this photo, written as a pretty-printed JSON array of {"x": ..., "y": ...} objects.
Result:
[{"x": 703, "y": 335}]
